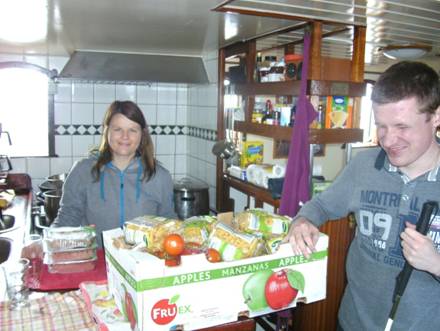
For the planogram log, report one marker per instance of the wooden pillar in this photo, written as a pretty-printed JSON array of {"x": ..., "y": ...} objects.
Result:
[
  {"x": 315, "y": 51},
  {"x": 358, "y": 59}
]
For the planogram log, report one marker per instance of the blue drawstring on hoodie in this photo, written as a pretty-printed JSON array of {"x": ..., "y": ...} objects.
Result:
[{"x": 121, "y": 177}]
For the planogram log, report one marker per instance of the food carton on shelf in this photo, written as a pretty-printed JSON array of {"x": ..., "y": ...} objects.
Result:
[{"x": 199, "y": 294}]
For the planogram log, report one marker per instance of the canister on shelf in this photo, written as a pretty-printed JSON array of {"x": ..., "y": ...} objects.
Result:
[{"x": 293, "y": 66}]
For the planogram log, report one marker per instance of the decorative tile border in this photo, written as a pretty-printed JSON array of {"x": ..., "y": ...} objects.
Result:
[{"x": 91, "y": 129}]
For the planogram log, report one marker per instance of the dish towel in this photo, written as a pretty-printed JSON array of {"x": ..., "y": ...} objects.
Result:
[
  {"x": 296, "y": 187},
  {"x": 53, "y": 312}
]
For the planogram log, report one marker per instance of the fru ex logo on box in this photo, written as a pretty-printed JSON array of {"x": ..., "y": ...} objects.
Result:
[{"x": 165, "y": 310}]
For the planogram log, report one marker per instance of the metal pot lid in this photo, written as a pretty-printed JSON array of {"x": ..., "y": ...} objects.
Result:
[{"x": 187, "y": 184}]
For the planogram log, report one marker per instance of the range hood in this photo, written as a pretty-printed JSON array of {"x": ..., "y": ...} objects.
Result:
[{"x": 122, "y": 67}]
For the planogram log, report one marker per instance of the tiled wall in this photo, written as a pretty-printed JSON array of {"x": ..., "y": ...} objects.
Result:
[{"x": 181, "y": 117}]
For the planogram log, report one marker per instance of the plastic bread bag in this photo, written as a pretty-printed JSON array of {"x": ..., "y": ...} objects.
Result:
[
  {"x": 261, "y": 221},
  {"x": 151, "y": 231},
  {"x": 57, "y": 239},
  {"x": 197, "y": 229},
  {"x": 232, "y": 244}
]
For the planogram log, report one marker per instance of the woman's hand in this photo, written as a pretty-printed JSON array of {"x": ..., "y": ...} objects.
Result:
[
  {"x": 33, "y": 250},
  {"x": 419, "y": 250},
  {"x": 303, "y": 236}
]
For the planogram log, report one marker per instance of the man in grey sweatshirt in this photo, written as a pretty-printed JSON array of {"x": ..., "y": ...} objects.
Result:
[{"x": 385, "y": 187}]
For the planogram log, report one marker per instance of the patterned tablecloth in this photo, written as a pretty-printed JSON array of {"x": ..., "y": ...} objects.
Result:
[{"x": 53, "y": 312}]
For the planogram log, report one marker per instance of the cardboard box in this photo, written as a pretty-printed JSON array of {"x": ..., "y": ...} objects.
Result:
[
  {"x": 339, "y": 112},
  {"x": 199, "y": 294},
  {"x": 252, "y": 153}
]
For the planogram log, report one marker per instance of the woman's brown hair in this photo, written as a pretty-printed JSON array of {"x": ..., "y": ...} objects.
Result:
[{"x": 145, "y": 149}]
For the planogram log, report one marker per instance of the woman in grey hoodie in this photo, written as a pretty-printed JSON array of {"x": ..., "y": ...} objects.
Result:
[{"x": 119, "y": 181}]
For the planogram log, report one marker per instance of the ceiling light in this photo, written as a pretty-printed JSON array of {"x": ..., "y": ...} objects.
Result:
[
  {"x": 405, "y": 52},
  {"x": 23, "y": 21}
]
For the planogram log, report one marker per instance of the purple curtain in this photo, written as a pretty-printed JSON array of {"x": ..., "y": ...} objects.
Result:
[{"x": 296, "y": 187}]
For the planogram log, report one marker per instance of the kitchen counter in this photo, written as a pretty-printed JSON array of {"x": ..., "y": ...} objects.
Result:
[{"x": 20, "y": 208}]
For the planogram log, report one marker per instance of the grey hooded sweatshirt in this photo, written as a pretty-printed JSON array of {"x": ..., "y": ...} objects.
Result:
[
  {"x": 382, "y": 199},
  {"x": 116, "y": 197}
]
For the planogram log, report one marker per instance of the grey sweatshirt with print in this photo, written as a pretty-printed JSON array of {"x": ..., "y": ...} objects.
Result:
[
  {"x": 116, "y": 197},
  {"x": 382, "y": 199}
]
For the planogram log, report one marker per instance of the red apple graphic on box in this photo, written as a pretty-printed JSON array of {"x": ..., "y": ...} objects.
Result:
[
  {"x": 282, "y": 288},
  {"x": 129, "y": 308},
  {"x": 164, "y": 311}
]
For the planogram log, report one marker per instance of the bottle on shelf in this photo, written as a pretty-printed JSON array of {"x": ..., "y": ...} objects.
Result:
[
  {"x": 258, "y": 66},
  {"x": 268, "y": 113}
]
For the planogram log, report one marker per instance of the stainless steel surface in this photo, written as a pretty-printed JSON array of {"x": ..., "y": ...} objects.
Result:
[
  {"x": 135, "y": 67},
  {"x": 190, "y": 198},
  {"x": 191, "y": 28}
]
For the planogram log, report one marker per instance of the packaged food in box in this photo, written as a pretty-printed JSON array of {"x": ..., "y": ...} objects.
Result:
[
  {"x": 156, "y": 297},
  {"x": 233, "y": 245},
  {"x": 64, "y": 238},
  {"x": 263, "y": 222},
  {"x": 150, "y": 230}
]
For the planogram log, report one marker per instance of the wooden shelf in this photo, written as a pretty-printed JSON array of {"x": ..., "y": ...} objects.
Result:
[
  {"x": 316, "y": 136},
  {"x": 259, "y": 193},
  {"x": 292, "y": 87}
]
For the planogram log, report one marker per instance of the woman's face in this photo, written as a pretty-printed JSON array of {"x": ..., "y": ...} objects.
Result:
[{"x": 124, "y": 137}]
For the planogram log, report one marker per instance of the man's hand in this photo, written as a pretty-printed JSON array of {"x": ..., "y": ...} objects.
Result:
[
  {"x": 303, "y": 236},
  {"x": 419, "y": 250}
]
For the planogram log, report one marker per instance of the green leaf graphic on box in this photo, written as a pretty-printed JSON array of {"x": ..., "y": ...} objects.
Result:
[
  {"x": 296, "y": 280},
  {"x": 174, "y": 299}
]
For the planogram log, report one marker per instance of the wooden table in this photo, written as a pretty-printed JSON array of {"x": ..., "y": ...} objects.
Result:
[{"x": 243, "y": 324}]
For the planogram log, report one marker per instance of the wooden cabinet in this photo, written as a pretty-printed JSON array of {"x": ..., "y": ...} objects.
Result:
[{"x": 326, "y": 76}]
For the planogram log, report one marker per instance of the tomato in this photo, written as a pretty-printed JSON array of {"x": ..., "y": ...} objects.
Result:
[
  {"x": 173, "y": 244},
  {"x": 213, "y": 255},
  {"x": 172, "y": 261},
  {"x": 279, "y": 293}
]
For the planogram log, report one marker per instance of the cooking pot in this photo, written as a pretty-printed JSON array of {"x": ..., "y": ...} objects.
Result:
[
  {"x": 51, "y": 205},
  {"x": 191, "y": 198},
  {"x": 54, "y": 182}
]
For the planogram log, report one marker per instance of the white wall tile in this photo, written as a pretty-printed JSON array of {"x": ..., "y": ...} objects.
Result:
[
  {"x": 104, "y": 93},
  {"x": 211, "y": 118},
  {"x": 166, "y": 114},
  {"x": 181, "y": 144},
  {"x": 150, "y": 113},
  {"x": 82, "y": 113},
  {"x": 82, "y": 92},
  {"x": 147, "y": 94},
  {"x": 165, "y": 144},
  {"x": 62, "y": 113},
  {"x": 63, "y": 145},
  {"x": 38, "y": 167},
  {"x": 182, "y": 94},
  {"x": 59, "y": 165},
  {"x": 19, "y": 165},
  {"x": 182, "y": 115},
  {"x": 167, "y": 161},
  {"x": 64, "y": 92},
  {"x": 180, "y": 166},
  {"x": 126, "y": 92},
  {"x": 99, "y": 110},
  {"x": 211, "y": 174},
  {"x": 166, "y": 94},
  {"x": 81, "y": 145}
]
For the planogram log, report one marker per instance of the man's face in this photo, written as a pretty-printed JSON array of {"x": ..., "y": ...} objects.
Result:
[{"x": 406, "y": 135}]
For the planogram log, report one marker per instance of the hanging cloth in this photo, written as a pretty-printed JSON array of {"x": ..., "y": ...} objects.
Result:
[{"x": 296, "y": 187}]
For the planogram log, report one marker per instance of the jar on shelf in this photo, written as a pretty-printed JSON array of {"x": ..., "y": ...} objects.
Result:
[{"x": 293, "y": 66}]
